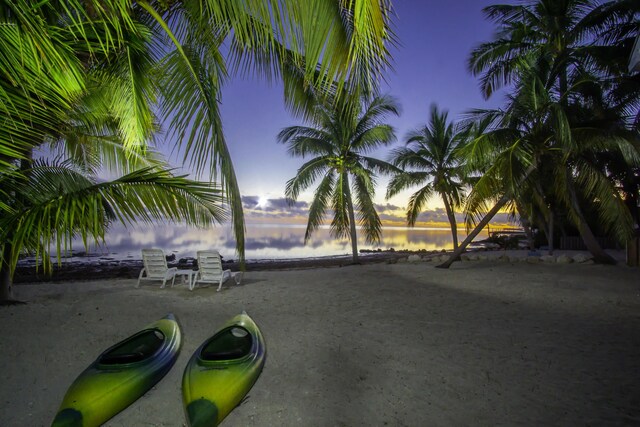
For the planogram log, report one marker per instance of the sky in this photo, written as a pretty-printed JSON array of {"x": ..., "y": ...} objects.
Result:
[{"x": 429, "y": 66}]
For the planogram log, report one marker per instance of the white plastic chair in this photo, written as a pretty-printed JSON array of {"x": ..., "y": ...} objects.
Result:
[
  {"x": 210, "y": 270},
  {"x": 155, "y": 267}
]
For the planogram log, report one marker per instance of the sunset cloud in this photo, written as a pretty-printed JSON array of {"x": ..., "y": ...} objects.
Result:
[{"x": 278, "y": 210}]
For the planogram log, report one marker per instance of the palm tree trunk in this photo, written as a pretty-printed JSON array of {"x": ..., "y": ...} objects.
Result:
[
  {"x": 551, "y": 231},
  {"x": 589, "y": 239},
  {"x": 483, "y": 223},
  {"x": 6, "y": 281},
  {"x": 6, "y": 284},
  {"x": 529, "y": 233},
  {"x": 452, "y": 220},
  {"x": 352, "y": 221},
  {"x": 526, "y": 225}
]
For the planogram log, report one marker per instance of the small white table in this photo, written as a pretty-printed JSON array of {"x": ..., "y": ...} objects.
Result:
[{"x": 186, "y": 275}]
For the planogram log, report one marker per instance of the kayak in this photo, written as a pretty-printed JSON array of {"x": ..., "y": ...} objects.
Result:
[
  {"x": 222, "y": 371},
  {"x": 120, "y": 375}
]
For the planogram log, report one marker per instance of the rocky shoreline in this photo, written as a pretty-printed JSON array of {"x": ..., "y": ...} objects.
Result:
[{"x": 106, "y": 267}]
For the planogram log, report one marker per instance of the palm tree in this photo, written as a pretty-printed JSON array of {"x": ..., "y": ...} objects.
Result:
[
  {"x": 559, "y": 37},
  {"x": 538, "y": 130},
  {"x": 47, "y": 203},
  {"x": 558, "y": 45},
  {"x": 137, "y": 59},
  {"x": 338, "y": 140},
  {"x": 431, "y": 153},
  {"x": 55, "y": 201}
]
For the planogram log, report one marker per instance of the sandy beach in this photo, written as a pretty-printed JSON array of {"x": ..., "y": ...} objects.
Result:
[{"x": 486, "y": 342}]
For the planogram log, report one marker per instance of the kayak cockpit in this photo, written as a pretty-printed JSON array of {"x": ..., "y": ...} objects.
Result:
[
  {"x": 137, "y": 348},
  {"x": 231, "y": 343}
]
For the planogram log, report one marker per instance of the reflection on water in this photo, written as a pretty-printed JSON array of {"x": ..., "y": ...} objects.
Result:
[{"x": 263, "y": 241}]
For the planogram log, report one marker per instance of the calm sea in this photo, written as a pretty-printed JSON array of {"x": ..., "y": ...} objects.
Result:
[{"x": 263, "y": 241}]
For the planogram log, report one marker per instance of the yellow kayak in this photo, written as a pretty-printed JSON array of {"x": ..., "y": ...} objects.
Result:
[
  {"x": 120, "y": 375},
  {"x": 222, "y": 371}
]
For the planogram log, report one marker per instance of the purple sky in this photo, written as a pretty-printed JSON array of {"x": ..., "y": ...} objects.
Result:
[{"x": 435, "y": 38}]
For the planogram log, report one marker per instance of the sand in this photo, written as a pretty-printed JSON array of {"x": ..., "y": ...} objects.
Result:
[{"x": 483, "y": 343}]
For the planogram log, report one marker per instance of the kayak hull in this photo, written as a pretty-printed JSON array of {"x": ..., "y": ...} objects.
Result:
[
  {"x": 120, "y": 375},
  {"x": 222, "y": 371}
]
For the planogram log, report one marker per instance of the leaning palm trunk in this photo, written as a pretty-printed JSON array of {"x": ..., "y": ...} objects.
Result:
[
  {"x": 481, "y": 225},
  {"x": 589, "y": 239}
]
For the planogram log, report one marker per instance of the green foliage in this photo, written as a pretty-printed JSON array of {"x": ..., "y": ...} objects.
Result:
[
  {"x": 430, "y": 159},
  {"x": 337, "y": 140},
  {"x": 564, "y": 112},
  {"x": 79, "y": 74},
  {"x": 53, "y": 202}
]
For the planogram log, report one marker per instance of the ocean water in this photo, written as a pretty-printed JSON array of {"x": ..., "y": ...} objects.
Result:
[{"x": 262, "y": 241}]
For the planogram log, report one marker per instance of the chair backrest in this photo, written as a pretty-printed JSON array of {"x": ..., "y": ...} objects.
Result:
[
  {"x": 209, "y": 265},
  {"x": 155, "y": 263}
]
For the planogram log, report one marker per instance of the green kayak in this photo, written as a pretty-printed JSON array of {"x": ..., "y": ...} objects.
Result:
[
  {"x": 222, "y": 371},
  {"x": 121, "y": 375}
]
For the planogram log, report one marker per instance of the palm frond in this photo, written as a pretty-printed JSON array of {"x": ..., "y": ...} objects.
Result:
[
  {"x": 307, "y": 174},
  {"x": 340, "y": 199},
  {"x": 405, "y": 180},
  {"x": 417, "y": 202},
  {"x": 58, "y": 203},
  {"x": 319, "y": 205},
  {"x": 367, "y": 215}
]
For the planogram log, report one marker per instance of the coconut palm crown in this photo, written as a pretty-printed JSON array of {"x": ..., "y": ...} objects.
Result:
[
  {"x": 430, "y": 160},
  {"x": 153, "y": 63},
  {"x": 120, "y": 72},
  {"x": 338, "y": 140}
]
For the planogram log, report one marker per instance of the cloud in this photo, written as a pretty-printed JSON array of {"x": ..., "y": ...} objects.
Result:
[
  {"x": 279, "y": 210},
  {"x": 274, "y": 208}
]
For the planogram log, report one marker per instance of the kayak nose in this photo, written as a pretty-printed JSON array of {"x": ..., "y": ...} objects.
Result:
[
  {"x": 68, "y": 417},
  {"x": 202, "y": 413},
  {"x": 170, "y": 316}
]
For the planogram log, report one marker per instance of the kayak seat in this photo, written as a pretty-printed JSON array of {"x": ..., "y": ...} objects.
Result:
[
  {"x": 119, "y": 359},
  {"x": 231, "y": 343},
  {"x": 136, "y": 348}
]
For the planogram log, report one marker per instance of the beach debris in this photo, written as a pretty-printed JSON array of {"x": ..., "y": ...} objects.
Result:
[
  {"x": 582, "y": 258},
  {"x": 564, "y": 259}
]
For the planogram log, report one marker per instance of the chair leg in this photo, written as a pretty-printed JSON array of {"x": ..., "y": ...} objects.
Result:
[
  {"x": 226, "y": 274},
  {"x": 237, "y": 277},
  {"x": 140, "y": 278}
]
